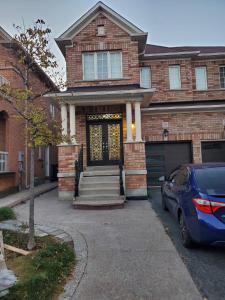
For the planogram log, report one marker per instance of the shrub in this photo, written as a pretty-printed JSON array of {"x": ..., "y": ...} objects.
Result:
[
  {"x": 7, "y": 213},
  {"x": 50, "y": 265}
]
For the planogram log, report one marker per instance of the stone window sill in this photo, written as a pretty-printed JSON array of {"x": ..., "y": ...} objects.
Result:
[
  {"x": 210, "y": 90},
  {"x": 104, "y": 80}
]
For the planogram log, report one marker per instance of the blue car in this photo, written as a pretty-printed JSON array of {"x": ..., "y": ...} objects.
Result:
[{"x": 195, "y": 195}]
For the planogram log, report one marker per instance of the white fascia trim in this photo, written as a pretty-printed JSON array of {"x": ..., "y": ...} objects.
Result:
[
  {"x": 213, "y": 107},
  {"x": 212, "y": 54},
  {"x": 66, "y": 34},
  {"x": 172, "y": 53},
  {"x": 101, "y": 93}
]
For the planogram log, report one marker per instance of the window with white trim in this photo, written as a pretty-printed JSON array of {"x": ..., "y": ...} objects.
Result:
[
  {"x": 3, "y": 80},
  {"x": 145, "y": 77},
  {"x": 102, "y": 65},
  {"x": 174, "y": 77},
  {"x": 222, "y": 77},
  {"x": 201, "y": 78},
  {"x": 52, "y": 110}
]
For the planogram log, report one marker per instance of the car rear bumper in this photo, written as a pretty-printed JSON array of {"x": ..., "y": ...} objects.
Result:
[{"x": 210, "y": 230}]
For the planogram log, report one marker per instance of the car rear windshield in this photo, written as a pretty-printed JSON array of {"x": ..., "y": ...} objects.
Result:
[{"x": 211, "y": 180}]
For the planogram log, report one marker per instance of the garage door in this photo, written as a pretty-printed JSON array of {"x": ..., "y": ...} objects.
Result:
[
  {"x": 163, "y": 158},
  {"x": 213, "y": 151}
]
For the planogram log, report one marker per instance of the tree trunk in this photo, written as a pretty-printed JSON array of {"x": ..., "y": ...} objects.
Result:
[{"x": 31, "y": 243}]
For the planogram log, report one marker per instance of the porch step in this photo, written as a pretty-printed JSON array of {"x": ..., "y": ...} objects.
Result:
[
  {"x": 100, "y": 179},
  {"x": 99, "y": 197},
  {"x": 99, "y": 190},
  {"x": 96, "y": 204},
  {"x": 101, "y": 173}
]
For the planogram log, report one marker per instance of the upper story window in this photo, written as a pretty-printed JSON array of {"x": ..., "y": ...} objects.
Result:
[
  {"x": 222, "y": 77},
  {"x": 102, "y": 65},
  {"x": 145, "y": 77},
  {"x": 201, "y": 78},
  {"x": 174, "y": 77},
  {"x": 3, "y": 80}
]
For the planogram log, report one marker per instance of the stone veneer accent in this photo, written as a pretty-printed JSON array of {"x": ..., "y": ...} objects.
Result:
[
  {"x": 135, "y": 170},
  {"x": 66, "y": 176}
]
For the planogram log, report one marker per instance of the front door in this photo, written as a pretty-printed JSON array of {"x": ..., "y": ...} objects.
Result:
[{"x": 104, "y": 142}]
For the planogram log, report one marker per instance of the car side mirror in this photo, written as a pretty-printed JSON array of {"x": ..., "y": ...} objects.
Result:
[{"x": 162, "y": 178}]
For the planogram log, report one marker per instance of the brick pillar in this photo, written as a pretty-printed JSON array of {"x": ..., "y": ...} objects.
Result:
[
  {"x": 135, "y": 170},
  {"x": 197, "y": 155},
  {"x": 67, "y": 155}
]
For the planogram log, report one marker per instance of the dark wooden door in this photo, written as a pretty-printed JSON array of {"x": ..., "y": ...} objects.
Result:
[{"x": 104, "y": 142}]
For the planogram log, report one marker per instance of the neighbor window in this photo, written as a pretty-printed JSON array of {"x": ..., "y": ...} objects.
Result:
[
  {"x": 174, "y": 77},
  {"x": 102, "y": 65},
  {"x": 145, "y": 77},
  {"x": 222, "y": 77},
  {"x": 201, "y": 78},
  {"x": 52, "y": 110}
]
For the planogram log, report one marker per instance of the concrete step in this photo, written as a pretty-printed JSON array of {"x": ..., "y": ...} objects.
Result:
[
  {"x": 99, "y": 185},
  {"x": 96, "y": 204},
  {"x": 102, "y": 168},
  {"x": 99, "y": 197},
  {"x": 99, "y": 191},
  {"x": 100, "y": 179},
  {"x": 101, "y": 173}
]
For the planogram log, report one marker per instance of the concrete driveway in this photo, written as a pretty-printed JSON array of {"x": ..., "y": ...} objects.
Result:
[{"x": 129, "y": 254}]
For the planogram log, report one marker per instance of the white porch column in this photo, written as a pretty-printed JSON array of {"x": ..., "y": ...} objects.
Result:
[
  {"x": 137, "y": 107},
  {"x": 129, "y": 122},
  {"x": 73, "y": 123},
  {"x": 64, "y": 118}
]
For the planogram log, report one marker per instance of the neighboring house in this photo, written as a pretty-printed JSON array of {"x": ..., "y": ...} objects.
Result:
[
  {"x": 14, "y": 154},
  {"x": 153, "y": 107}
]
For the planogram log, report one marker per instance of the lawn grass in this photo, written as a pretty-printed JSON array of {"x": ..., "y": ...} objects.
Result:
[{"x": 42, "y": 274}]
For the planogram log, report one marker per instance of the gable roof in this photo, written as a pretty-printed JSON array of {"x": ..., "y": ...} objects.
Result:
[
  {"x": 158, "y": 51},
  {"x": 66, "y": 38},
  {"x": 9, "y": 42}
]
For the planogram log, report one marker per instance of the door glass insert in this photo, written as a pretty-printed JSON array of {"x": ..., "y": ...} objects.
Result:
[
  {"x": 96, "y": 142},
  {"x": 114, "y": 141}
]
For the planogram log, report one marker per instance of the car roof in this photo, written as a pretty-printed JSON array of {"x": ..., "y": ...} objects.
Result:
[{"x": 205, "y": 165}]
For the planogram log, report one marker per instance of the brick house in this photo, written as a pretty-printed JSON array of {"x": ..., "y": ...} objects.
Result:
[
  {"x": 150, "y": 107},
  {"x": 14, "y": 154}
]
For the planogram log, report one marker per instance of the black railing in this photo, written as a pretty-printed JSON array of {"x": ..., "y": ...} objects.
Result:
[
  {"x": 78, "y": 169},
  {"x": 121, "y": 178}
]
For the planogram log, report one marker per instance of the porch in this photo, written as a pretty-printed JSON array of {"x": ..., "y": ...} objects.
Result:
[{"x": 108, "y": 125}]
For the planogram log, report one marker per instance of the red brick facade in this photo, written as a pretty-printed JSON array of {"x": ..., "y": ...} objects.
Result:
[
  {"x": 183, "y": 125},
  {"x": 12, "y": 129}
]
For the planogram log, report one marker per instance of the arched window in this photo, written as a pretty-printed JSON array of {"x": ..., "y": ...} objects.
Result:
[{"x": 3, "y": 80}]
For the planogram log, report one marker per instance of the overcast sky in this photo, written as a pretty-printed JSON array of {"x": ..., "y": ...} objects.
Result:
[{"x": 168, "y": 22}]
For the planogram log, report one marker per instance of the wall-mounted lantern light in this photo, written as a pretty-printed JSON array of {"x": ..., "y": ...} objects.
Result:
[{"x": 165, "y": 134}]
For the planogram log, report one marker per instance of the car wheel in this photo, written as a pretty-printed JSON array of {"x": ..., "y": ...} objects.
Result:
[
  {"x": 185, "y": 235},
  {"x": 164, "y": 203}
]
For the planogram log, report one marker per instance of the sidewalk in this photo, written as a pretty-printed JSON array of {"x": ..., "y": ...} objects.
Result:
[
  {"x": 17, "y": 198},
  {"x": 129, "y": 254}
]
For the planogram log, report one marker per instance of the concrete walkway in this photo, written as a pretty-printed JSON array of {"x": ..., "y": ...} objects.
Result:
[
  {"x": 17, "y": 198},
  {"x": 130, "y": 257}
]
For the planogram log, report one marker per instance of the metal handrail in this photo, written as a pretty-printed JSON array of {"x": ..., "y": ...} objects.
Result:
[
  {"x": 79, "y": 168},
  {"x": 121, "y": 178}
]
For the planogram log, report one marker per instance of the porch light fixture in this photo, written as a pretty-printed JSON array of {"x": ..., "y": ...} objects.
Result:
[
  {"x": 165, "y": 134},
  {"x": 133, "y": 125}
]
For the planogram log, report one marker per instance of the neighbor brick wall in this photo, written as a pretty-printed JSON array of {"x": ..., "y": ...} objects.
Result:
[{"x": 15, "y": 138}]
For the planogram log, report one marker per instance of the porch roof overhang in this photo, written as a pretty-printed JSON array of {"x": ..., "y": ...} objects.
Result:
[{"x": 110, "y": 97}]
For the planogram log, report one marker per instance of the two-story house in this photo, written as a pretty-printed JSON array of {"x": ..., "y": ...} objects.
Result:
[
  {"x": 14, "y": 152},
  {"x": 149, "y": 107}
]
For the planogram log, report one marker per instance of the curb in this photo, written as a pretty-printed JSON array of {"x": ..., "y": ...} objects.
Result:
[{"x": 27, "y": 197}]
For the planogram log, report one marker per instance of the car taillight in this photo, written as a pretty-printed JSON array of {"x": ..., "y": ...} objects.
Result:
[{"x": 206, "y": 206}]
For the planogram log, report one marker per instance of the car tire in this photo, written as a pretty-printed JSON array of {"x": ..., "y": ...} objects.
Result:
[
  {"x": 187, "y": 241},
  {"x": 164, "y": 203}
]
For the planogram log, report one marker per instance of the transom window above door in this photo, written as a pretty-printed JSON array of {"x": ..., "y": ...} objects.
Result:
[{"x": 102, "y": 65}]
